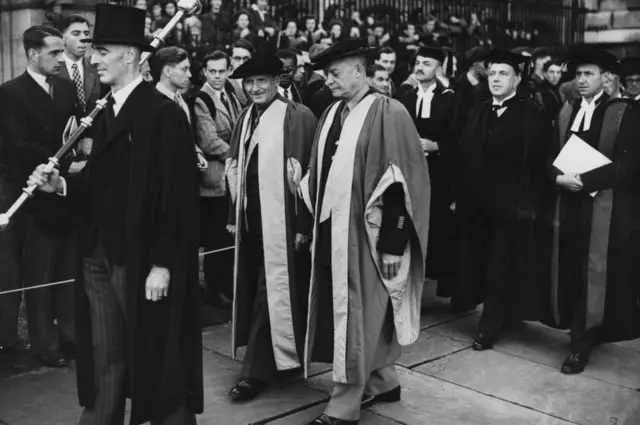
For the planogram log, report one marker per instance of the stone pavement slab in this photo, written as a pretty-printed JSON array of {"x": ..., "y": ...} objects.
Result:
[
  {"x": 307, "y": 415},
  {"x": 40, "y": 397},
  {"x": 576, "y": 398},
  {"x": 427, "y": 400},
  {"x": 430, "y": 346},
  {"x": 631, "y": 345},
  {"x": 435, "y": 310}
]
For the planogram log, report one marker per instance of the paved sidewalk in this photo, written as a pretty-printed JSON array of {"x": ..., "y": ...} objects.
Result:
[{"x": 444, "y": 383}]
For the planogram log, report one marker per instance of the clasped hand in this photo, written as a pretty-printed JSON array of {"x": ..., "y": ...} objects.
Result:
[
  {"x": 390, "y": 265},
  {"x": 569, "y": 182},
  {"x": 157, "y": 285}
]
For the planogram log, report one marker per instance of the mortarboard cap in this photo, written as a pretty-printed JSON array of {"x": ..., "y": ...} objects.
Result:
[
  {"x": 431, "y": 52},
  {"x": 506, "y": 57},
  {"x": 603, "y": 59}
]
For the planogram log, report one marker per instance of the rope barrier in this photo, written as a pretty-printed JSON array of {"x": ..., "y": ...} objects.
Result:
[{"x": 62, "y": 282}]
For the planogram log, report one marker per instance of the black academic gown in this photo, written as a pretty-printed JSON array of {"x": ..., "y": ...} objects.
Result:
[
  {"x": 139, "y": 192},
  {"x": 439, "y": 128},
  {"x": 500, "y": 167},
  {"x": 573, "y": 215}
]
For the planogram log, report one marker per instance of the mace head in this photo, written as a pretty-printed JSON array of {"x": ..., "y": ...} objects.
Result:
[{"x": 190, "y": 7}]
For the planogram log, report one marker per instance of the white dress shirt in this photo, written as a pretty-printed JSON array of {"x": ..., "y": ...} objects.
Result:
[
  {"x": 500, "y": 104},
  {"x": 281, "y": 91},
  {"x": 40, "y": 79},
  {"x": 69, "y": 64},
  {"x": 425, "y": 97},
  {"x": 176, "y": 97},
  {"x": 586, "y": 113}
]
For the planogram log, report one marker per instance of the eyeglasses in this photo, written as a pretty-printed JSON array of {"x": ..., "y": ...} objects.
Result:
[
  {"x": 241, "y": 58},
  {"x": 632, "y": 81},
  {"x": 287, "y": 70}
]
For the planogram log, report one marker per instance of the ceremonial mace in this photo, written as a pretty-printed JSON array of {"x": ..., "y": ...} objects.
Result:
[{"x": 185, "y": 8}]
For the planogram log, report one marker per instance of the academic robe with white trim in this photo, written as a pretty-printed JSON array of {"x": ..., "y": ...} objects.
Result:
[
  {"x": 282, "y": 140},
  {"x": 378, "y": 147}
]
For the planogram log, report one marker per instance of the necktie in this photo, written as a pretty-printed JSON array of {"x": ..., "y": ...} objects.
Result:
[
  {"x": 286, "y": 94},
  {"x": 178, "y": 99},
  {"x": 110, "y": 115},
  {"x": 419, "y": 107},
  {"x": 224, "y": 101},
  {"x": 49, "y": 81},
  {"x": 79, "y": 88}
]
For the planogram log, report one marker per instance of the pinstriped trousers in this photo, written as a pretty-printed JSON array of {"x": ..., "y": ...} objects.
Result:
[{"x": 105, "y": 287}]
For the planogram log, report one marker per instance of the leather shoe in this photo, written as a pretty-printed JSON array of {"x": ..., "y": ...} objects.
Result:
[
  {"x": 219, "y": 300},
  {"x": 390, "y": 396},
  {"x": 54, "y": 360},
  {"x": 574, "y": 364},
  {"x": 482, "y": 342},
  {"x": 247, "y": 389},
  {"x": 328, "y": 420}
]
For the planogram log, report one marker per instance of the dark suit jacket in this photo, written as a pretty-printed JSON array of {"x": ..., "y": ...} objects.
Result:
[
  {"x": 31, "y": 127},
  {"x": 501, "y": 167},
  {"x": 256, "y": 21},
  {"x": 92, "y": 87}
]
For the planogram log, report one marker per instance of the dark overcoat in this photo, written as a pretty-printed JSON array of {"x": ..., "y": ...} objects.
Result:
[{"x": 163, "y": 339}]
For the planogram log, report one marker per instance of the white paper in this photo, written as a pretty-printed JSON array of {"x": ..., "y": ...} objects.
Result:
[{"x": 578, "y": 157}]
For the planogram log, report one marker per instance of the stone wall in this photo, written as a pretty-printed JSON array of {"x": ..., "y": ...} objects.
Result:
[{"x": 18, "y": 15}]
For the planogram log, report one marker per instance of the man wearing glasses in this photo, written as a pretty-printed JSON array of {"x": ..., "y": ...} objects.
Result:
[
  {"x": 630, "y": 69},
  {"x": 241, "y": 51}
]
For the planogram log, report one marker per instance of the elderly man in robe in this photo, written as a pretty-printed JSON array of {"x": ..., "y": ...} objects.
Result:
[
  {"x": 368, "y": 189},
  {"x": 270, "y": 146}
]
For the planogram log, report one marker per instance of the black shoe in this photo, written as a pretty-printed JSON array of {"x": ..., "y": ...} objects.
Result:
[
  {"x": 390, "y": 396},
  {"x": 219, "y": 300},
  {"x": 482, "y": 342},
  {"x": 247, "y": 389},
  {"x": 574, "y": 364},
  {"x": 53, "y": 360},
  {"x": 328, "y": 420}
]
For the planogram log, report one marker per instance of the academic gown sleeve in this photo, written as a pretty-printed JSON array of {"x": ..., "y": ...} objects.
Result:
[{"x": 626, "y": 168}]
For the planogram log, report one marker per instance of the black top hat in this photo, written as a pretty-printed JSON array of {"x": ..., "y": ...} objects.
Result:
[
  {"x": 603, "y": 59},
  {"x": 506, "y": 57},
  {"x": 120, "y": 25},
  {"x": 630, "y": 66},
  {"x": 262, "y": 64},
  {"x": 343, "y": 49}
]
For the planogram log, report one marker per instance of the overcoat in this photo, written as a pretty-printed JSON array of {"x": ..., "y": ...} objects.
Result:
[{"x": 163, "y": 339}]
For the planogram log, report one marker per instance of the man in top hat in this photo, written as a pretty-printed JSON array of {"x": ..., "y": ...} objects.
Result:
[
  {"x": 368, "y": 190},
  {"x": 500, "y": 164},
  {"x": 630, "y": 71},
  {"x": 596, "y": 226},
  {"x": 138, "y": 334},
  {"x": 269, "y": 149},
  {"x": 433, "y": 110}
]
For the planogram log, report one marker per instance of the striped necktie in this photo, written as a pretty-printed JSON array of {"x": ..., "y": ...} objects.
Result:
[
  {"x": 79, "y": 88},
  {"x": 49, "y": 82}
]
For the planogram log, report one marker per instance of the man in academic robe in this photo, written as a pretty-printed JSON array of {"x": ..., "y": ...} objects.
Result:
[
  {"x": 317, "y": 95},
  {"x": 594, "y": 265},
  {"x": 471, "y": 88},
  {"x": 500, "y": 165},
  {"x": 432, "y": 108},
  {"x": 269, "y": 149},
  {"x": 138, "y": 333},
  {"x": 630, "y": 71},
  {"x": 36, "y": 107},
  {"x": 368, "y": 190}
]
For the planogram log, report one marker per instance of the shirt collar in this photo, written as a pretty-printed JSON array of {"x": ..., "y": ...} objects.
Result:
[
  {"x": 162, "y": 89},
  {"x": 428, "y": 91},
  {"x": 40, "y": 79},
  {"x": 69, "y": 62},
  {"x": 584, "y": 102},
  {"x": 121, "y": 95},
  {"x": 215, "y": 91},
  {"x": 502, "y": 102}
]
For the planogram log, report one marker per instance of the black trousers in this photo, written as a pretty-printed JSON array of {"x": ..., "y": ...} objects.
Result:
[
  {"x": 30, "y": 256},
  {"x": 488, "y": 250},
  {"x": 105, "y": 288},
  {"x": 218, "y": 267},
  {"x": 259, "y": 361}
]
